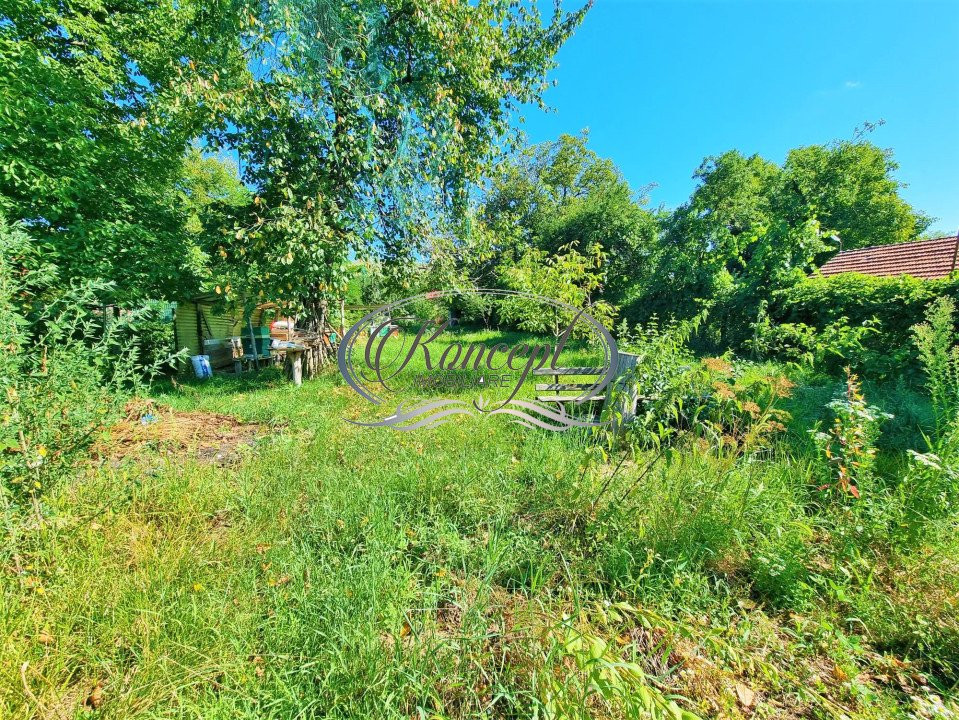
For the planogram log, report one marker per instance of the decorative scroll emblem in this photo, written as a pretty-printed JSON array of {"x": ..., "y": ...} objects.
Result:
[{"x": 412, "y": 347}]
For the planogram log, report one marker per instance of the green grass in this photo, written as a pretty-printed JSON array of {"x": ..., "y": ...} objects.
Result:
[{"x": 462, "y": 571}]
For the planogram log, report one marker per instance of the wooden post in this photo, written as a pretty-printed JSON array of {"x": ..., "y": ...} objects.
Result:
[
  {"x": 342, "y": 318},
  {"x": 256, "y": 357},
  {"x": 236, "y": 346},
  {"x": 294, "y": 365}
]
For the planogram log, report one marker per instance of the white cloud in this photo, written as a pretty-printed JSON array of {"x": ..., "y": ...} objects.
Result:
[{"x": 850, "y": 84}]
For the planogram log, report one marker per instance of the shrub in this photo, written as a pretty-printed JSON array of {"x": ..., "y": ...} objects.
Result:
[
  {"x": 890, "y": 306},
  {"x": 151, "y": 330},
  {"x": 667, "y": 375},
  {"x": 741, "y": 412},
  {"x": 850, "y": 444},
  {"x": 939, "y": 356},
  {"x": 836, "y": 345},
  {"x": 568, "y": 276},
  {"x": 931, "y": 488},
  {"x": 728, "y": 406},
  {"x": 64, "y": 369}
]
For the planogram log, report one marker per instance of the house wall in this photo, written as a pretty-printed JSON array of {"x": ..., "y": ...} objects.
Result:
[{"x": 215, "y": 328}]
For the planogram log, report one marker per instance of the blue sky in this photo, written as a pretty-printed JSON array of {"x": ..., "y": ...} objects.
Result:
[{"x": 661, "y": 85}]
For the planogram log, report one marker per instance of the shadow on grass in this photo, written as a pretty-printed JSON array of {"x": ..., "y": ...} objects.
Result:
[
  {"x": 909, "y": 406},
  {"x": 220, "y": 383}
]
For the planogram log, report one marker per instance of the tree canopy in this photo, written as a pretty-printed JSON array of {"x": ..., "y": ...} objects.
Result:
[
  {"x": 96, "y": 111},
  {"x": 561, "y": 193},
  {"x": 359, "y": 127},
  {"x": 382, "y": 132},
  {"x": 365, "y": 124},
  {"x": 752, "y": 227}
]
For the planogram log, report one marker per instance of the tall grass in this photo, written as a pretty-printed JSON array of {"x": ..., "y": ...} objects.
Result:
[{"x": 480, "y": 569}]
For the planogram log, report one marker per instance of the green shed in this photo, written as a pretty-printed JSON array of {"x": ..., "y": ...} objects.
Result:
[{"x": 204, "y": 326}]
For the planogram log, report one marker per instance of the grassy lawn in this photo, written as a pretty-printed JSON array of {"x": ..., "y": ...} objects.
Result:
[{"x": 330, "y": 570}]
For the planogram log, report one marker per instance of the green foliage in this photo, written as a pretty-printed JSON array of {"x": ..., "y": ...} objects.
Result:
[
  {"x": 150, "y": 330},
  {"x": 65, "y": 367},
  {"x": 601, "y": 680},
  {"x": 209, "y": 187},
  {"x": 871, "y": 317},
  {"x": 742, "y": 416},
  {"x": 357, "y": 141},
  {"x": 850, "y": 188},
  {"x": 665, "y": 375},
  {"x": 526, "y": 574},
  {"x": 569, "y": 276},
  {"x": 684, "y": 401},
  {"x": 849, "y": 446},
  {"x": 728, "y": 244},
  {"x": 552, "y": 195},
  {"x": 898, "y": 301},
  {"x": 97, "y": 106},
  {"x": 935, "y": 341},
  {"x": 829, "y": 348},
  {"x": 931, "y": 488},
  {"x": 712, "y": 571},
  {"x": 752, "y": 229}
]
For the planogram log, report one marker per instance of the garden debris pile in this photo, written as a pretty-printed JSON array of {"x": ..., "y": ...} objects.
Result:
[{"x": 207, "y": 436}]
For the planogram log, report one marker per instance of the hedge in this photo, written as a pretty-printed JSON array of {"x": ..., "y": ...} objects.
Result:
[{"x": 897, "y": 303}]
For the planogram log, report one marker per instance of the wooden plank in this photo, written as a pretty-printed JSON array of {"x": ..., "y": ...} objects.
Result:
[
  {"x": 570, "y": 371},
  {"x": 571, "y": 398},
  {"x": 628, "y": 397},
  {"x": 564, "y": 386},
  {"x": 567, "y": 398}
]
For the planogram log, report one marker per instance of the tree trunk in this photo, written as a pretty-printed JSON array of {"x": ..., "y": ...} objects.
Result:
[{"x": 317, "y": 324}]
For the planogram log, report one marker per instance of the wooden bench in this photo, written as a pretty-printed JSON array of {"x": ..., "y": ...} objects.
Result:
[
  {"x": 557, "y": 386},
  {"x": 627, "y": 399}
]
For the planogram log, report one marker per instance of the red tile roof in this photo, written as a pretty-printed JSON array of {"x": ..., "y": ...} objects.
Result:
[{"x": 926, "y": 259}]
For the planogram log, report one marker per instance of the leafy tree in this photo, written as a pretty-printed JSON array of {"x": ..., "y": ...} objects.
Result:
[
  {"x": 727, "y": 246},
  {"x": 207, "y": 185},
  {"x": 559, "y": 193},
  {"x": 752, "y": 228},
  {"x": 97, "y": 104},
  {"x": 716, "y": 231},
  {"x": 365, "y": 126},
  {"x": 850, "y": 189},
  {"x": 568, "y": 276},
  {"x": 210, "y": 196}
]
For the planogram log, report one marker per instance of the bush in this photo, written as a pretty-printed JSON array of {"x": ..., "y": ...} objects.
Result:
[
  {"x": 931, "y": 489},
  {"x": 832, "y": 347},
  {"x": 935, "y": 341},
  {"x": 666, "y": 374},
  {"x": 65, "y": 369},
  {"x": 731, "y": 407},
  {"x": 849, "y": 446},
  {"x": 151, "y": 329},
  {"x": 888, "y": 306}
]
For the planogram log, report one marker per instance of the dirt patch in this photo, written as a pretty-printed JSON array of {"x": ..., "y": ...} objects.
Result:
[{"x": 149, "y": 428}]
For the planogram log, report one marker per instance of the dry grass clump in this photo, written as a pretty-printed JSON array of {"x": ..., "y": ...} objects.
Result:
[{"x": 150, "y": 428}]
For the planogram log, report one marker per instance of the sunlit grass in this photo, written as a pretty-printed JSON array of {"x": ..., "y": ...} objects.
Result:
[{"x": 461, "y": 571}]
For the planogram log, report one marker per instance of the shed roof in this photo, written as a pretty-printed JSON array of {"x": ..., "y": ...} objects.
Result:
[{"x": 926, "y": 259}]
